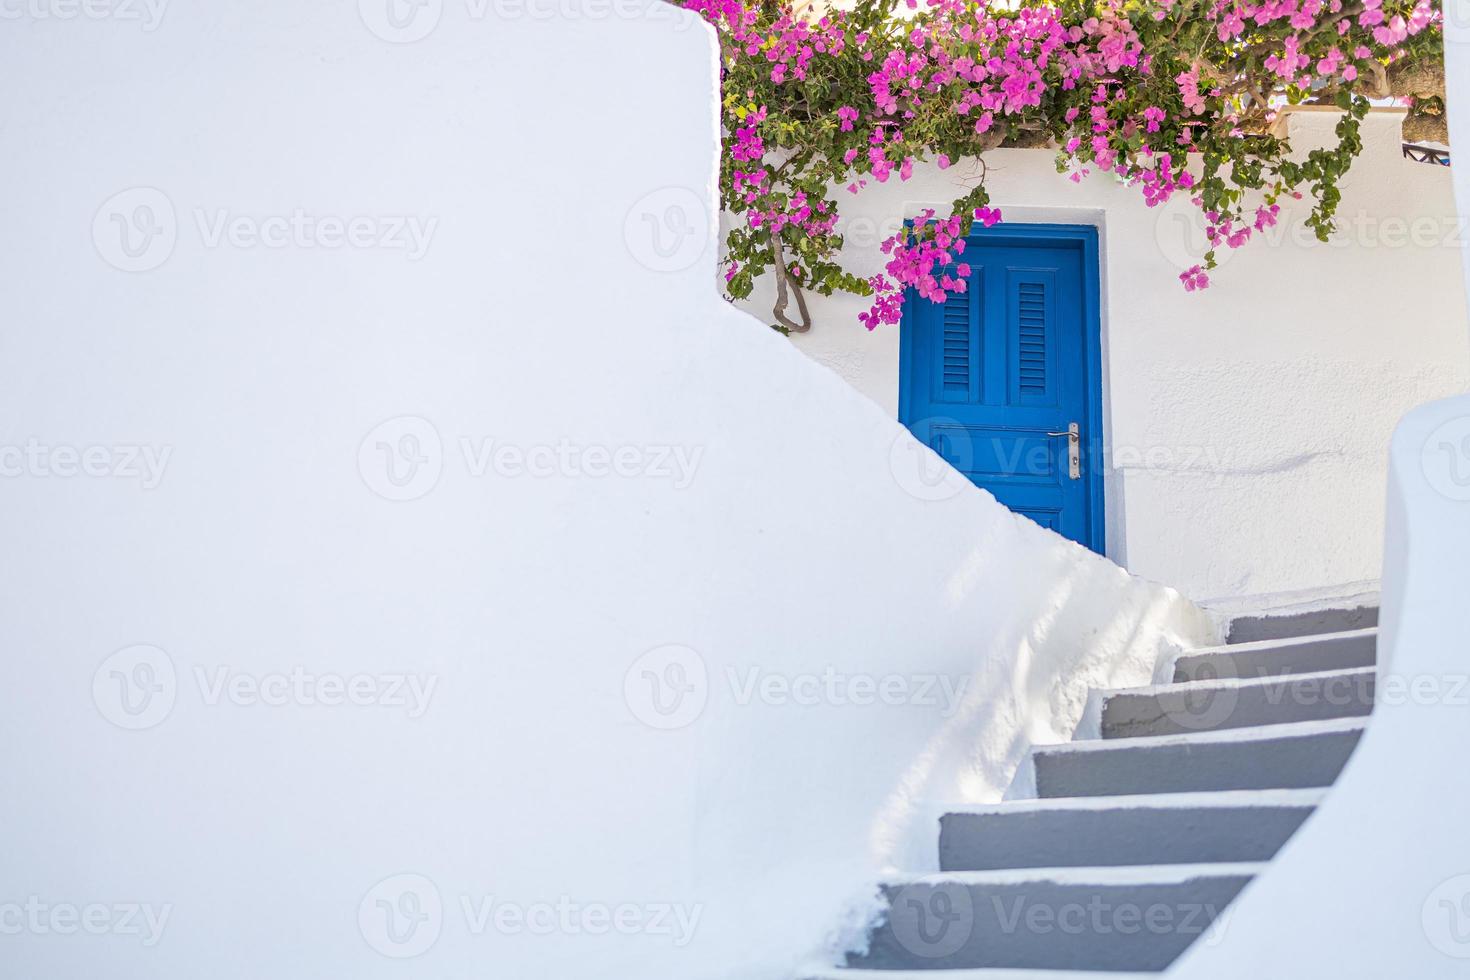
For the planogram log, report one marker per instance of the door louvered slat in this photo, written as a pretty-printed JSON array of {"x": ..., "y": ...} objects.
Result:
[
  {"x": 1032, "y": 324},
  {"x": 957, "y": 347}
]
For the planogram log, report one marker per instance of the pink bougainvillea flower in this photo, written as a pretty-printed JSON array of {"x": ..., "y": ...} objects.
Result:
[{"x": 839, "y": 98}]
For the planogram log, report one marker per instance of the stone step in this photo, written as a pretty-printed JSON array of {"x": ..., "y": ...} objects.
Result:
[
  {"x": 1184, "y": 828},
  {"x": 1250, "y": 629},
  {"x": 1273, "y": 658},
  {"x": 1302, "y": 755},
  {"x": 1206, "y": 706},
  {"x": 853, "y": 973},
  {"x": 1122, "y": 919}
]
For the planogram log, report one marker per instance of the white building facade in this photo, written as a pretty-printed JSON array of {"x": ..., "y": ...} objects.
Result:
[{"x": 1244, "y": 428}]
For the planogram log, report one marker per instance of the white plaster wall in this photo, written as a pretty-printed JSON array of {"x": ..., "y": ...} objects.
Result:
[
  {"x": 1377, "y": 882},
  {"x": 319, "y": 512},
  {"x": 1247, "y": 426}
]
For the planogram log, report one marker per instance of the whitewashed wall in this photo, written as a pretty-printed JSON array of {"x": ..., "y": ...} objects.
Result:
[
  {"x": 1377, "y": 883},
  {"x": 370, "y": 350},
  {"x": 1247, "y": 426}
]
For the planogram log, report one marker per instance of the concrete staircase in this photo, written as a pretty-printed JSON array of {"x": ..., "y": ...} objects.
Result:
[{"x": 1141, "y": 835}]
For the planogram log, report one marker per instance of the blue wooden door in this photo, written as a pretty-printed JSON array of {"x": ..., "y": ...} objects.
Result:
[{"x": 1004, "y": 381}]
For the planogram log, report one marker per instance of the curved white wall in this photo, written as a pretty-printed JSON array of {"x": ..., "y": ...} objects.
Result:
[
  {"x": 239, "y": 517},
  {"x": 1247, "y": 426}
]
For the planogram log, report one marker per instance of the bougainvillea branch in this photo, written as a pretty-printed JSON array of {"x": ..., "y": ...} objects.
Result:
[{"x": 1169, "y": 96}]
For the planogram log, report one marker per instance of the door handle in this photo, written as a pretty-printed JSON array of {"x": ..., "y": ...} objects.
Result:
[{"x": 1074, "y": 449}]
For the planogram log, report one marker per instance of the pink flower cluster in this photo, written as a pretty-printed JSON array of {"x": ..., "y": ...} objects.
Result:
[
  {"x": 926, "y": 259},
  {"x": 961, "y": 74}
]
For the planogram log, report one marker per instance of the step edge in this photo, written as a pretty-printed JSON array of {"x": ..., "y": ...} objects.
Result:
[
  {"x": 1083, "y": 875},
  {"x": 1232, "y": 683},
  {"x": 1285, "y": 731},
  {"x": 1224, "y": 799},
  {"x": 1283, "y": 643},
  {"x": 825, "y": 972}
]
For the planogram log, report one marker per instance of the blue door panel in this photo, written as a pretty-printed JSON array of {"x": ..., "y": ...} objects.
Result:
[
  {"x": 992, "y": 374},
  {"x": 999, "y": 455},
  {"x": 1049, "y": 519}
]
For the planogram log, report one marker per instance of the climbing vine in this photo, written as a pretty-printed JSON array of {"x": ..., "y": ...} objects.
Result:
[{"x": 1173, "y": 97}]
